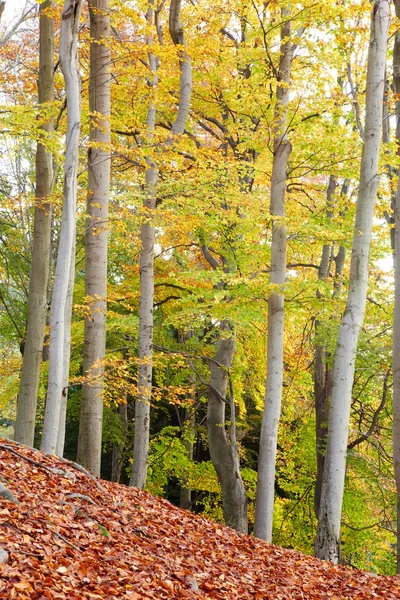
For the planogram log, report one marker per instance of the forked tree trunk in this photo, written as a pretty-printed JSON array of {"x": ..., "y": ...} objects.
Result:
[
  {"x": 70, "y": 68},
  {"x": 224, "y": 453},
  {"x": 396, "y": 325},
  {"x": 322, "y": 371},
  {"x": 147, "y": 235},
  {"x": 91, "y": 417},
  {"x": 37, "y": 300},
  {"x": 327, "y": 545},
  {"x": 273, "y": 394}
]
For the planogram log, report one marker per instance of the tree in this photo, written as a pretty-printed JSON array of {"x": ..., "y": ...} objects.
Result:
[
  {"x": 327, "y": 543},
  {"x": 147, "y": 234},
  {"x": 396, "y": 324},
  {"x": 273, "y": 393},
  {"x": 65, "y": 257},
  {"x": 38, "y": 281},
  {"x": 90, "y": 424}
]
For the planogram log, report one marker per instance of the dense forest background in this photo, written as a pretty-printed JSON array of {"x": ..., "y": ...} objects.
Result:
[{"x": 205, "y": 102}]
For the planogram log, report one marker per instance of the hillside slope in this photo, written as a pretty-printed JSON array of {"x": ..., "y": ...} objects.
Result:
[{"x": 72, "y": 537}]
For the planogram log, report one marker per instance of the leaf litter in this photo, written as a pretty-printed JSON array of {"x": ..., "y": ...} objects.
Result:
[{"x": 72, "y": 537}]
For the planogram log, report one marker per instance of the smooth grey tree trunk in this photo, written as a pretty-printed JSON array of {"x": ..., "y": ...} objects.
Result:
[
  {"x": 39, "y": 276},
  {"x": 396, "y": 324},
  {"x": 147, "y": 234},
  {"x": 223, "y": 451},
  {"x": 147, "y": 237},
  {"x": 66, "y": 357},
  {"x": 70, "y": 68},
  {"x": 273, "y": 394},
  {"x": 91, "y": 416},
  {"x": 327, "y": 545}
]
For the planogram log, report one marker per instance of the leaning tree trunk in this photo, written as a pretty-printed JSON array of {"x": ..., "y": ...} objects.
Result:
[
  {"x": 396, "y": 325},
  {"x": 147, "y": 235},
  {"x": 70, "y": 68},
  {"x": 91, "y": 417},
  {"x": 327, "y": 545},
  {"x": 224, "y": 453},
  {"x": 273, "y": 394},
  {"x": 37, "y": 300}
]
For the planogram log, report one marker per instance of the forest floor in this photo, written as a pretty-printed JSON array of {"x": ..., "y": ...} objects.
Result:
[{"x": 71, "y": 536}]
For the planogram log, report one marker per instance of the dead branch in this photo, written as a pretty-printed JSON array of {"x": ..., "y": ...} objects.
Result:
[
  {"x": 7, "y": 495},
  {"x": 82, "y": 497},
  {"x": 84, "y": 471}
]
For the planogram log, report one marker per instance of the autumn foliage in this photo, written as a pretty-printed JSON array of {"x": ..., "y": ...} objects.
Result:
[{"x": 72, "y": 537}]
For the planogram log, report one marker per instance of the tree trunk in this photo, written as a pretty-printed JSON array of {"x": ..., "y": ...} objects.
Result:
[
  {"x": 37, "y": 300},
  {"x": 224, "y": 452},
  {"x": 70, "y": 68},
  {"x": 117, "y": 451},
  {"x": 91, "y": 417},
  {"x": 396, "y": 325},
  {"x": 66, "y": 357},
  {"x": 187, "y": 429},
  {"x": 147, "y": 236},
  {"x": 185, "y": 65},
  {"x": 327, "y": 545},
  {"x": 273, "y": 394}
]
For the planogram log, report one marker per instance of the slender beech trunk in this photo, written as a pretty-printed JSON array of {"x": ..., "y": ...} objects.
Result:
[
  {"x": 117, "y": 451},
  {"x": 327, "y": 545},
  {"x": 273, "y": 395},
  {"x": 188, "y": 432},
  {"x": 224, "y": 453},
  {"x": 147, "y": 234},
  {"x": 396, "y": 325},
  {"x": 66, "y": 357},
  {"x": 91, "y": 417},
  {"x": 70, "y": 68},
  {"x": 185, "y": 496},
  {"x": 322, "y": 372},
  {"x": 37, "y": 300}
]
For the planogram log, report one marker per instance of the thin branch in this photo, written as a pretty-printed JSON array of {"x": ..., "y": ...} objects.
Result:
[{"x": 365, "y": 436}]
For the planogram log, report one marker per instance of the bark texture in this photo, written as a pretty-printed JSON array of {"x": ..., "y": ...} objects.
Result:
[
  {"x": 38, "y": 282},
  {"x": 91, "y": 417},
  {"x": 70, "y": 68},
  {"x": 327, "y": 545},
  {"x": 223, "y": 451},
  {"x": 396, "y": 325},
  {"x": 273, "y": 394}
]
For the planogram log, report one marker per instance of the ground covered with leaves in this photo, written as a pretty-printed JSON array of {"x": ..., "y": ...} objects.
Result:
[{"x": 71, "y": 536}]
